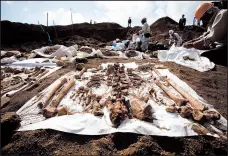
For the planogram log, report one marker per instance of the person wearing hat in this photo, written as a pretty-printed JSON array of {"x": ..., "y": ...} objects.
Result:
[
  {"x": 182, "y": 22},
  {"x": 174, "y": 37},
  {"x": 129, "y": 22},
  {"x": 216, "y": 27},
  {"x": 216, "y": 21},
  {"x": 145, "y": 34}
]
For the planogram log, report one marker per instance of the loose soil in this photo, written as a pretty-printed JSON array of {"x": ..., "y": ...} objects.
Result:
[{"x": 210, "y": 85}]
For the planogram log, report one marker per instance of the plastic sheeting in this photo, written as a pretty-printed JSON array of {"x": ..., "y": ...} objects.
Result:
[
  {"x": 187, "y": 57},
  {"x": 58, "y": 50},
  {"x": 34, "y": 62},
  {"x": 120, "y": 54},
  {"x": 9, "y": 60},
  {"x": 15, "y": 53},
  {"x": 166, "y": 124}
]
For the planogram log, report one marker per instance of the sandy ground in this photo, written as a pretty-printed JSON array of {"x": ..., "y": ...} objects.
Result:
[{"x": 211, "y": 85}]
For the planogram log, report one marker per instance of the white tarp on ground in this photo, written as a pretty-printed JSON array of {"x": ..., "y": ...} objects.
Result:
[
  {"x": 187, "y": 57},
  {"x": 8, "y": 60},
  {"x": 44, "y": 62},
  {"x": 60, "y": 51},
  {"x": 57, "y": 50},
  {"x": 167, "y": 124}
]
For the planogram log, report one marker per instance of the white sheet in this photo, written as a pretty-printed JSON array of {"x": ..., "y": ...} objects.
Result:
[
  {"x": 34, "y": 62},
  {"x": 167, "y": 124},
  {"x": 176, "y": 54}
]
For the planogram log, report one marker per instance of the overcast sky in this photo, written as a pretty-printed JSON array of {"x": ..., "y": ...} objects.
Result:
[{"x": 100, "y": 11}]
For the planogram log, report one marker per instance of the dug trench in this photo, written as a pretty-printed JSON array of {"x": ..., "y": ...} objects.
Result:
[{"x": 209, "y": 85}]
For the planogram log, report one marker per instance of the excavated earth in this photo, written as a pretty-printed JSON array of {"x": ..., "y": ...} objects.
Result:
[{"x": 211, "y": 85}]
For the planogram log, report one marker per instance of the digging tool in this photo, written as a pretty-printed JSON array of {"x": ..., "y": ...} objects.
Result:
[
  {"x": 50, "y": 110},
  {"x": 179, "y": 101},
  {"x": 55, "y": 86},
  {"x": 193, "y": 101}
]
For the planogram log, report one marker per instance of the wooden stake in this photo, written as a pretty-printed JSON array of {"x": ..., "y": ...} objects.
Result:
[
  {"x": 72, "y": 23},
  {"x": 55, "y": 30}
]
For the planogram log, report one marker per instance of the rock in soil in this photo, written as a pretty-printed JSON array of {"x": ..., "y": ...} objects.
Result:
[{"x": 10, "y": 121}]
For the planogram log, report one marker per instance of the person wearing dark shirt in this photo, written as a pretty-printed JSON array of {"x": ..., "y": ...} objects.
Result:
[
  {"x": 129, "y": 22},
  {"x": 182, "y": 22}
]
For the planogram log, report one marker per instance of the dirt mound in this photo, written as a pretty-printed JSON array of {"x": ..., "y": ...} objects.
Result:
[
  {"x": 18, "y": 33},
  {"x": 161, "y": 27},
  {"x": 60, "y": 143},
  {"x": 163, "y": 21},
  {"x": 27, "y": 37}
]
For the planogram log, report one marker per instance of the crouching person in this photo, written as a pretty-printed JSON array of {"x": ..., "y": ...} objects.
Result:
[
  {"x": 216, "y": 20},
  {"x": 174, "y": 38}
]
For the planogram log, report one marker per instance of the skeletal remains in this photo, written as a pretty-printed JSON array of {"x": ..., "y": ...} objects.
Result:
[
  {"x": 131, "y": 53},
  {"x": 121, "y": 80},
  {"x": 24, "y": 79},
  {"x": 86, "y": 50},
  {"x": 109, "y": 53},
  {"x": 187, "y": 107}
]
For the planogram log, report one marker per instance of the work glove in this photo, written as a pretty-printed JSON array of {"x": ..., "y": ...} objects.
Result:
[{"x": 170, "y": 42}]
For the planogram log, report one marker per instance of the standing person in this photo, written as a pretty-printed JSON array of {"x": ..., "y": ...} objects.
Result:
[
  {"x": 145, "y": 34},
  {"x": 182, "y": 22},
  {"x": 216, "y": 33},
  {"x": 90, "y": 21},
  {"x": 129, "y": 22},
  {"x": 194, "y": 21},
  {"x": 174, "y": 37}
]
